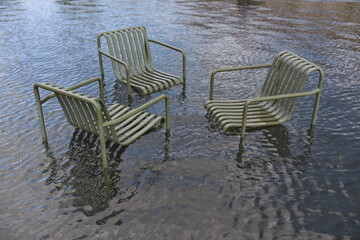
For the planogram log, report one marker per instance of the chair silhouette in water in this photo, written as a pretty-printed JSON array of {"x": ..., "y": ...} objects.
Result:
[
  {"x": 129, "y": 51},
  {"x": 276, "y": 101},
  {"x": 118, "y": 123}
]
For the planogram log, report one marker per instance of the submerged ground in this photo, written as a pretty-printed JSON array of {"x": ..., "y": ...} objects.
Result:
[{"x": 193, "y": 185}]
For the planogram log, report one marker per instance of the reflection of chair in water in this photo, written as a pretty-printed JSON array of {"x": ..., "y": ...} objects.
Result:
[
  {"x": 129, "y": 51},
  {"x": 117, "y": 123},
  {"x": 278, "y": 137},
  {"x": 276, "y": 101},
  {"x": 90, "y": 188}
]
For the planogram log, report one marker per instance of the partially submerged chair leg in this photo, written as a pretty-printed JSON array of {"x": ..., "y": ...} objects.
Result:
[
  {"x": 241, "y": 150},
  {"x": 317, "y": 101},
  {"x": 107, "y": 184},
  {"x": 102, "y": 141},
  {"x": 41, "y": 116}
]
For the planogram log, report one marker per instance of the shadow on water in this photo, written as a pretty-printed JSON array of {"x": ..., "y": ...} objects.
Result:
[
  {"x": 277, "y": 137},
  {"x": 92, "y": 186},
  {"x": 286, "y": 185}
]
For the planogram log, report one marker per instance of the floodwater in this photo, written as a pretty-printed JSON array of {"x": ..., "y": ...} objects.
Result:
[{"x": 287, "y": 184}]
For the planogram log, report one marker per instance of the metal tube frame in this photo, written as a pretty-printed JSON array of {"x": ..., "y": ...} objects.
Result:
[
  {"x": 316, "y": 91},
  {"x": 212, "y": 78},
  {"x": 127, "y": 69},
  {"x": 176, "y": 49},
  {"x": 99, "y": 115},
  {"x": 40, "y": 101}
]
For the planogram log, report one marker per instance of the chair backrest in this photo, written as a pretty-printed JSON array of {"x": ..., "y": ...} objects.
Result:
[
  {"x": 130, "y": 45},
  {"x": 83, "y": 111},
  {"x": 287, "y": 74}
]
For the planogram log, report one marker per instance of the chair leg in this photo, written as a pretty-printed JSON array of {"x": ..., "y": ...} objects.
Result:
[
  {"x": 102, "y": 88},
  {"x": 183, "y": 92},
  {"x": 101, "y": 65},
  {"x": 184, "y": 67},
  {"x": 243, "y": 132},
  {"x": 244, "y": 118},
  {"x": 311, "y": 131},
  {"x": 167, "y": 112},
  {"x": 41, "y": 116},
  {"x": 103, "y": 151},
  {"x": 107, "y": 185},
  {"x": 102, "y": 142},
  {"x": 241, "y": 150},
  {"x": 316, "y": 107},
  {"x": 128, "y": 82}
]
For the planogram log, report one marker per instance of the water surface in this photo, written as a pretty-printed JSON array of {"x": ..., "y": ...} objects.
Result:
[{"x": 289, "y": 184}]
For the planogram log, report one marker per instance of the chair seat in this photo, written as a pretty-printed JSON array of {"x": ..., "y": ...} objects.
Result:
[
  {"x": 135, "y": 126},
  {"x": 153, "y": 81},
  {"x": 228, "y": 114}
]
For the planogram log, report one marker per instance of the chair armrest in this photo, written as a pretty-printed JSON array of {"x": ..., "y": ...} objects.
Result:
[
  {"x": 176, "y": 49},
  {"x": 127, "y": 69},
  {"x": 168, "y": 46},
  {"x": 143, "y": 107},
  {"x": 281, "y": 96},
  {"x": 114, "y": 58},
  {"x": 75, "y": 86},
  {"x": 212, "y": 78},
  {"x": 268, "y": 98}
]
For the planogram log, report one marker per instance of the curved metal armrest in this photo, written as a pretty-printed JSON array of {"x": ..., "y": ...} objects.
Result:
[
  {"x": 176, "y": 49},
  {"x": 113, "y": 58},
  {"x": 269, "y": 98},
  {"x": 289, "y": 95},
  {"x": 141, "y": 108},
  {"x": 73, "y": 87},
  {"x": 212, "y": 78},
  {"x": 127, "y": 69},
  {"x": 168, "y": 46}
]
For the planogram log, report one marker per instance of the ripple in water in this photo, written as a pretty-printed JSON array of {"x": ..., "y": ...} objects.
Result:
[{"x": 287, "y": 183}]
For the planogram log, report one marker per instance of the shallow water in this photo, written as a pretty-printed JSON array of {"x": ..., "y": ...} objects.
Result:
[{"x": 193, "y": 185}]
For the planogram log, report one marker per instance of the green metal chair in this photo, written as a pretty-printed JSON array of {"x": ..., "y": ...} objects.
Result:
[
  {"x": 117, "y": 123},
  {"x": 129, "y": 50},
  {"x": 276, "y": 101}
]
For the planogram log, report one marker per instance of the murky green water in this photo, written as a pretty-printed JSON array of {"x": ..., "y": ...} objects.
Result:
[{"x": 191, "y": 186}]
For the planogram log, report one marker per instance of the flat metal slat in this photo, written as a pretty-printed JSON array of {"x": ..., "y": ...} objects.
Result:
[
  {"x": 134, "y": 125},
  {"x": 161, "y": 81},
  {"x": 126, "y": 124},
  {"x": 146, "y": 83},
  {"x": 142, "y": 131}
]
